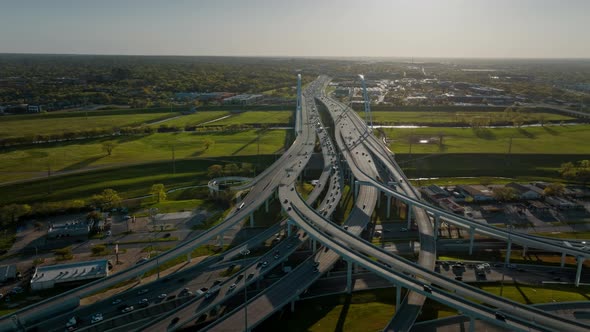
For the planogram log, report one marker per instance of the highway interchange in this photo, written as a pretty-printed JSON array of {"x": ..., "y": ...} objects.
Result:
[{"x": 352, "y": 154}]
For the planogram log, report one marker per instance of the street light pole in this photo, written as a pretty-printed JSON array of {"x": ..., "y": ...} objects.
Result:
[{"x": 245, "y": 308}]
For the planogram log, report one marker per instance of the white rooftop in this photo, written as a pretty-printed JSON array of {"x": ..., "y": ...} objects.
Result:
[{"x": 71, "y": 272}]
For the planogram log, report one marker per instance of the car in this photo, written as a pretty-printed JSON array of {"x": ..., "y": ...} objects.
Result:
[
  {"x": 232, "y": 286},
  {"x": 250, "y": 276},
  {"x": 143, "y": 303},
  {"x": 264, "y": 264},
  {"x": 143, "y": 291},
  {"x": 116, "y": 301},
  {"x": 215, "y": 283},
  {"x": 162, "y": 296},
  {"x": 276, "y": 256},
  {"x": 459, "y": 278},
  {"x": 240, "y": 277},
  {"x": 345, "y": 227},
  {"x": 166, "y": 235},
  {"x": 142, "y": 260},
  {"x": 500, "y": 316},
  {"x": 404, "y": 229},
  {"x": 109, "y": 233},
  {"x": 427, "y": 288},
  {"x": 128, "y": 309},
  {"x": 315, "y": 269},
  {"x": 96, "y": 318}
]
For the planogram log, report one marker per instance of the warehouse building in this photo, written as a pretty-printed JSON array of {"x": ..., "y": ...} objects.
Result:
[{"x": 73, "y": 273}]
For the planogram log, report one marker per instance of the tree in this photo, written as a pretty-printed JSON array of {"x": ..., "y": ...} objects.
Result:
[
  {"x": 108, "y": 147},
  {"x": 554, "y": 189},
  {"x": 504, "y": 193},
  {"x": 94, "y": 216},
  {"x": 12, "y": 212},
  {"x": 231, "y": 169},
  {"x": 107, "y": 200},
  {"x": 247, "y": 168},
  {"x": 64, "y": 253},
  {"x": 215, "y": 171},
  {"x": 158, "y": 191},
  {"x": 98, "y": 249},
  {"x": 207, "y": 142}
]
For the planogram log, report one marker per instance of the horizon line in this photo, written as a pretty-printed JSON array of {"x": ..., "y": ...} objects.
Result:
[{"x": 303, "y": 56}]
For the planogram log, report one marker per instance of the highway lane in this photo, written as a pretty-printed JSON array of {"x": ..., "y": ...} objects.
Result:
[
  {"x": 355, "y": 244},
  {"x": 131, "y": 297},
  {"x": 397, "y": 277},
  {"x": 349, "y": 126},
  {"x": 275, "y": 297},
  {"x": 187, "y": 313},
  {"x": 266, "y": 183}
]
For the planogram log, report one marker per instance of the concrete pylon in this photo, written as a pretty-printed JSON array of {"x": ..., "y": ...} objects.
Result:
[
  {"x": 251, "y": 220},
  {"x": 471, "y": 239},
  {"x": 388, "y": 206},
  {"x": 508, "y": 248},
  {"x": 562, "y": 259},
  {"x": 580, "y": 261},
  {"x": 349, "y": 277}
]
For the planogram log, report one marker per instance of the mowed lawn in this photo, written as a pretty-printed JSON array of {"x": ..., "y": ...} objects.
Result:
[
  {"x": 258, "y": 117},
  {"x": 567, "y": 139},
  {"x": 195, "y": 118},
  {"x": 38, "y": 124},
  {"x": 22, "y": 163},
  {"x": 394, "y": 117},
  {"x": 363, "y": 311}
]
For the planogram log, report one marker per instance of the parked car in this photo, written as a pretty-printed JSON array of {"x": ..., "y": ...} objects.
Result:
[{"x": 128, "y": 309}]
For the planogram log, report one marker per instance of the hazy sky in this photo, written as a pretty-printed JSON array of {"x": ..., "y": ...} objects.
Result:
[{"x": 420, "y": 28}]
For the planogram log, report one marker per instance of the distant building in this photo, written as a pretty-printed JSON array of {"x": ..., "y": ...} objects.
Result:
[
  {"x": 7, "y": 273},
  {"x": 434, "y": 192},
  {"x": 73, "y": 273},
  {"x": 69, "y": 229},
  {"x": 34, "y": 109},
  {"x": 450, "y": 205},
  {"x": 244, "y": 99},
  {"x": 523, "y": 191},
  {"x": 477, "y": 193}
]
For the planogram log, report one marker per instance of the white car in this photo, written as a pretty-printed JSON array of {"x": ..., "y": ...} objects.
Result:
[
  {"x": 96, "y": 318},
  {"x": 128, "y": 309},
  {"x": 162, "y": 296}
]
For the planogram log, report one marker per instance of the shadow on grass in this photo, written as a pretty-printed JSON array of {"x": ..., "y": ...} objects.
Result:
[
  {"x": 343, "y": 313},
  {"x": 484, "y": 133},
  {"x": 526, "y": 133},
  {"x": 551, "y": 131},
  {"x": 82, "y": 164}
]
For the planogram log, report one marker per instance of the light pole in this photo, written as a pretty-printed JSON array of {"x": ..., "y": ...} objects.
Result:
[
  {"x": 153, "y": 212},
  {"x": 245, "y": 308}
]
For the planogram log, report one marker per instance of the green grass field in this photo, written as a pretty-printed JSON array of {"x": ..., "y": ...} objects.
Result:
[
  {"x": 257, "y": 117},
  {"x": 362, "y": 311},
  {"x": 195, "y": 119},
  {"x": 405, "y": 117},
  {"x": 128, "y": 180},
  {"x": 32, "y": 161},
  {"x": 531, "y": 140},
  {"x": 32, "y": 125}
]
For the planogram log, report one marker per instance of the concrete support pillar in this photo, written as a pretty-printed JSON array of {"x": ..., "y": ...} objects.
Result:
[
  {"x": 471, "y": 324},
  {"x": 314, "y": 244},
  {"x": 398, "y": 297},
  {"x": 409, "y": 216},
  {"x": 379, "y": 200},
  {"x": 355, "y": 268},
  {"x": 221, "y": 240},
  {"x": 289, "y": 228},
  {"x": 388, "y": 206},
  {"x": 436, "y": 226},
  {"x": 563, "y": 259},
  {"x": 349, "y": 277},
  {"x": 356, "y": 190},
  {"x": 251, "y": 219},
  {"x": 188, "y": 257},
  {"x": 524, "y": 249},
  {"x": 266, "y": 206},
  {"x": 471, "y": 239},
  {"x": 580, "y": 261},
  {"x": 351, "y": 179},
  {"x": 508, "y": 248}
]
